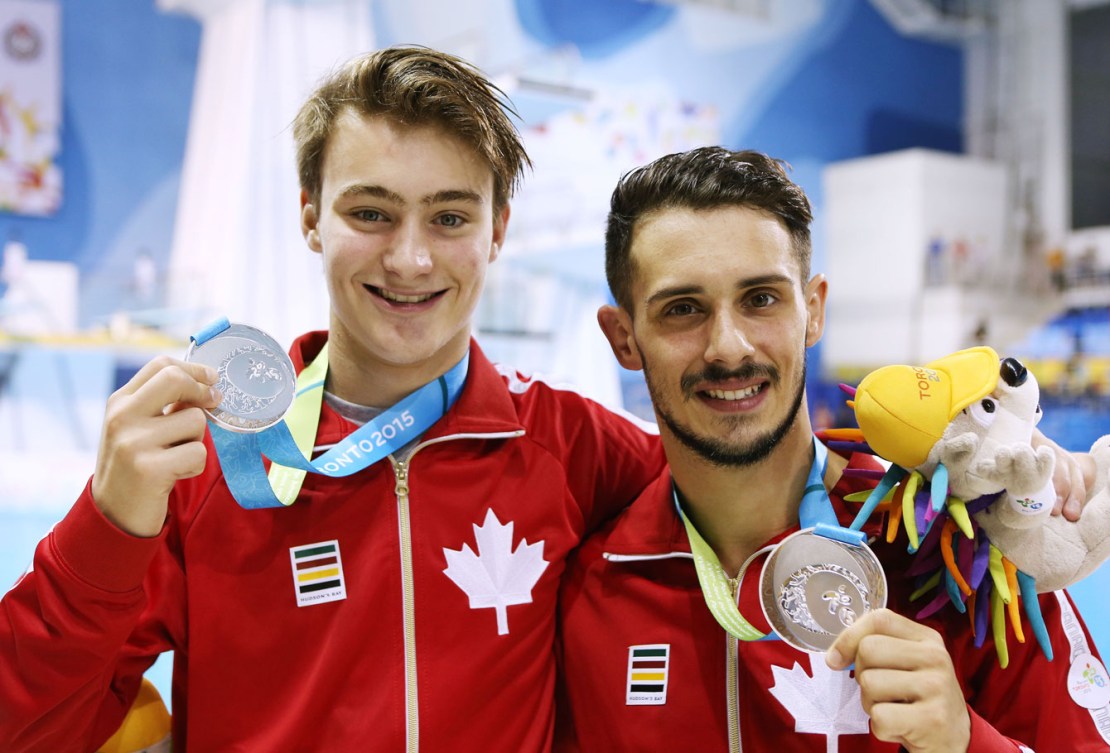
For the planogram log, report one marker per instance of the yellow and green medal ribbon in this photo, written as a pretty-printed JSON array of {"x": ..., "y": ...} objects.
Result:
[
  {"x": 303, "y": 419},
  {"x": 815, "y": 508},
  {"x": 714, "y": 587}
]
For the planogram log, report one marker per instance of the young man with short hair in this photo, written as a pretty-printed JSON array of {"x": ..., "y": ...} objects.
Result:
[{"x": 408, "y": 606}]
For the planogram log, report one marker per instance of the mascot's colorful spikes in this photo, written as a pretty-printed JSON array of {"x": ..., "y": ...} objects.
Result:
[
  {"x": 1012, "y": 608},
  {"x": 946, "y": 535},
  {"x": 998, "y": 575},
  {"x": 957, "y": 510},
  {"x": 998, "y": 629},
  {"x": 1033, "y": 612},
  {"x": 980, "y": 562},
  {"x": 904, "y": 414},
  {"x": 930, "y": 583},
  {"x": 972, "y": 610},
  {"x": 909, "y": 513},
  {"x": 981, "y": 614},
  {"x": 848, "y": 435},
  {"x": 893, "y": 475},
  {"x": 939, "y": 488},
  {"x": 953, "y": 592},
  {"x": 894, "y": 517}
]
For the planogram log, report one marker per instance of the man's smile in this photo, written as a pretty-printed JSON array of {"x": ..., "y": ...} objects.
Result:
[
  {"x": 397, "y": 297},
  {"x": 739, "y": 394}
]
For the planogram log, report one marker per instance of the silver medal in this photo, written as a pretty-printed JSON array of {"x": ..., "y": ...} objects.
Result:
[
  {"x": 256, "y": 378},
  {"x": 813, "y": 587}
]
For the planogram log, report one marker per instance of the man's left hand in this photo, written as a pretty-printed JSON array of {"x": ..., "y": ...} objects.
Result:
[{"x": 1074, "y": 475}]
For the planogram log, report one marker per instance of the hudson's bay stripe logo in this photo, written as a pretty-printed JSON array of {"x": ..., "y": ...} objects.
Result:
[
  {"x": 317, "y": 573},
  {"x": 648, "y": 668}
]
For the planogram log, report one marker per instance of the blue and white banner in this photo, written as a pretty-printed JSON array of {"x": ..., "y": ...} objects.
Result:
[{"x": 30, "y": 106}]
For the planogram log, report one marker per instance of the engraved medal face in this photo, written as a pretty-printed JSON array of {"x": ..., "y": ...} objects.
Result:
[
  {"x": 256, "y": 378},
  {"x": 813, "y": 587}
]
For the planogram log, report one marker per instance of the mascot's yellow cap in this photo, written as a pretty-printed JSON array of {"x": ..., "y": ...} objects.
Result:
[{"x": 904, "y": 410}]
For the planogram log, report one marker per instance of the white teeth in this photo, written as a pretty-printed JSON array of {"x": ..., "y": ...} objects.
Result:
[
  {"x": 734, "y": 394},
  {"x": 404, "y": 298}
]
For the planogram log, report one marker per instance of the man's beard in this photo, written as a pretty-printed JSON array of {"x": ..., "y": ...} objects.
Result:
[{"x": 718, "y": 451}]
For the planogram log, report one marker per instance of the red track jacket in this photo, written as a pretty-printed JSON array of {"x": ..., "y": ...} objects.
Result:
[
  {"x": 631, "y": 601},
  {"x": 510, "y": 479}
]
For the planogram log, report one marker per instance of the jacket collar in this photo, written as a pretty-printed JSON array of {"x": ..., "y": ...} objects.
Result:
[
  {"x": 483, "y": 407},
  {"x": 651, "y": 526}
]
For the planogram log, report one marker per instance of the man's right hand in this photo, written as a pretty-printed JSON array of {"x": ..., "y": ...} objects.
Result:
[
  {"x": 153, "y": 436},
  {"x": 907, "y": 681}
]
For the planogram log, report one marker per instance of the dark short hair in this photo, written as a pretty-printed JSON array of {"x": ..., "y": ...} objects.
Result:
[
  {"x": 705, "y": 178},
  {"x": 414, "y": 86}
]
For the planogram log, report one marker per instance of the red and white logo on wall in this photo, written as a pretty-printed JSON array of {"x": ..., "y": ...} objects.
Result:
[
  {"x": 30, "y": 107},
  {"x": 22, "y": 41}
]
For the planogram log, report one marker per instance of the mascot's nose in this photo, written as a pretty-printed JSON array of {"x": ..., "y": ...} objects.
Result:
[{"x": 1013, "y": 372}]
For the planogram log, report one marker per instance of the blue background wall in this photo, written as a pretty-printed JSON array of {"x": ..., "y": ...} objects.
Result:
[
  {"x": 127, "y": 73},
  {"x": 850, "y": 86}
]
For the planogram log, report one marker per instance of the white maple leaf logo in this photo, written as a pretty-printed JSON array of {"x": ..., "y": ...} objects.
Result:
[
  {"x": 498, "y": 577},
  {"x": 828, "y": 703}
]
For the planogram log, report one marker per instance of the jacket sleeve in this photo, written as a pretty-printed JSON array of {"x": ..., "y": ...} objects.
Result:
[
  {"x": 1058, "y": 706},
  {"x": 614, "y": 457},
  {"x": 72, "y": 652}
]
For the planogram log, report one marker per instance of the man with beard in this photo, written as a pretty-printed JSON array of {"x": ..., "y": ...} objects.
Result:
[{"x": 664, "y": 643}]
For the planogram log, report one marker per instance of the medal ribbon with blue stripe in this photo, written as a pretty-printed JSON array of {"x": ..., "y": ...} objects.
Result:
[
  {"x": 815, "y": 511},
  {"x": 288, "y": 444}
]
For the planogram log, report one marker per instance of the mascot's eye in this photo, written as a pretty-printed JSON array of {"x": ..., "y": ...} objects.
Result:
[
  {"x": 983, "y": 412},
  {"x": 1038, "y": 415}
]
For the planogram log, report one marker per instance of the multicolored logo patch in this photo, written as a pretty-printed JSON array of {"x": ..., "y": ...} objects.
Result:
[
  {"x": 648, "y": 668},
  {"x": 317, "y": 573},
  {"x": 1088, "y": 683}
]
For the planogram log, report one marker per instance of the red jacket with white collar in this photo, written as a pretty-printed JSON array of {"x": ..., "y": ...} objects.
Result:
[
  {"x": 631, "y": 603},
  {"x": 405, "y": 660}
]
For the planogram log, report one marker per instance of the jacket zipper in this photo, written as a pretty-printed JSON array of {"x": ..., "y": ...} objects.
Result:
[
  {"x": 732, "y": 693},
  {"x": 611, "y": 557},
  {"x": 732, "y": 645},
  {"x": 408, "y": 592},
  {"x": 732, "y": 689},
  {"x": 412, "y": 711},
  {"x": 732, "y": 671}
]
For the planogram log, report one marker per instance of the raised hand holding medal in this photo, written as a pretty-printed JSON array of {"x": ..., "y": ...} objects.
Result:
[
  {"x": 152, "y": 436},
  {"x": 265, "y": 413}
]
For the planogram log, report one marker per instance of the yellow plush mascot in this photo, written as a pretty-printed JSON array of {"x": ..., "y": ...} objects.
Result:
[
  {"x": 972, "y": 493},
  {"x": 146, "y": 728}
]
